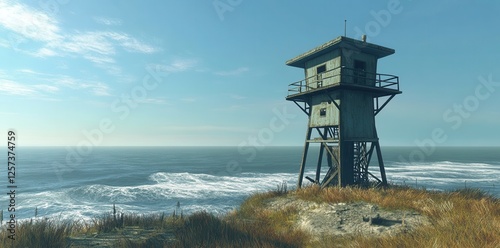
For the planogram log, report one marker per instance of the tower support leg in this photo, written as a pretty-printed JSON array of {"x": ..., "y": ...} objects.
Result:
[
  {"x": 304, "y": 157},
  {"x": 320, "y": 160},
  {"x": 381, "y": 164},
  {"x": 322, "y": 148}
]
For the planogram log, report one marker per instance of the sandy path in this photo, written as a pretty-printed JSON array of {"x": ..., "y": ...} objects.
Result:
[{"x": 348, "y": 218}]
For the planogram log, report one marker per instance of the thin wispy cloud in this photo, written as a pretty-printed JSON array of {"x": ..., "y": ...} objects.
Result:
[
  {"x": 102, "y": 43},
  {"x": 96, "y": 88},
  {"x": 153, "y": 101},
  {"x": 14, "y": 88},
  {"x": 234, "y": 72},
  {"x": 183, "y": 64},
  {"x": 99, "y": 59},
  {"x": 10, "y": 86},
  {"x": 44, "y": 52},
  {"x": 4, "y": 43},
  {"x": 110, "y": 68},
  {"x": 28, "y": 71},
  {"x": 87, "y": 43},
  {"x": 178, "y": 65},
  {"x": 46, "y": 88},
  {"x": 98, "y": 47},
  {"x": 129, "y": 43},
  {"x": 28, "y": 22},
  {"x": 108, "y": 21},
  {"x": 51, "y": 83},
  {"x": 49, "y": 39}
]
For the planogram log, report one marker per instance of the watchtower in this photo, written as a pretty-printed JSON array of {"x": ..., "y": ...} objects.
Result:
[{"x": 341, "y": 94}]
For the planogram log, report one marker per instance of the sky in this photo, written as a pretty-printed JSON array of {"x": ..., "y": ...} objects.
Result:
[{"x": 213, "y": 73}]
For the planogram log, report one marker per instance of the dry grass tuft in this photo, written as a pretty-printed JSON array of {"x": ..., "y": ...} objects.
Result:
[
  {"x": 41, "y": 233},
  {"x": 463, "y": 218}
]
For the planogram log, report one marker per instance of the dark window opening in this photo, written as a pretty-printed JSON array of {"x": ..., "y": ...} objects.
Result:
[
  {"x": 320, "y": 69},
  {"x": 360, "y": 65},
  {"x": 322, "y": 112},
  {"x": 359, "y": 72},
  {"x": 319, "y": 76}
]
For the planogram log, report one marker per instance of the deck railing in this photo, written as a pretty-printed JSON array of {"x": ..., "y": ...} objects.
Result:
[{"x": 344, "y": 75}]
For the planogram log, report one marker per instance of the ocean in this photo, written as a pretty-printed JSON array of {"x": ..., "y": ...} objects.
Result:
[{"x": 61, "y": 184}]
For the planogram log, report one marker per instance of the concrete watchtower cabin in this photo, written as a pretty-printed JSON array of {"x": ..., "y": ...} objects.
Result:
[{"x": 341, "y": 94}]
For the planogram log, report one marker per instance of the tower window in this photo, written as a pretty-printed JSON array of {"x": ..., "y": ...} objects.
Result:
[
  {"x": 359, "y": 72},
  {"x": 319, "y": 76},
  {"x": 360, "y": 65},
  {"x": 320, "y": 69},
  {"x": 322, "y": 112}
]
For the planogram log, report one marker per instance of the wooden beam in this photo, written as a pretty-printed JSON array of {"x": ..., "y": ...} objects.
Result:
[
  {"x": 383, "y": 105},
  {"x": 330, "y": 178},
  {"x": 304, "y": 157},
  {"x": 320, "y": 160},
  {"x": 304, "y": 109},
  {"x": 381, "y": 164},
  {"x": 369, "y": 173}
]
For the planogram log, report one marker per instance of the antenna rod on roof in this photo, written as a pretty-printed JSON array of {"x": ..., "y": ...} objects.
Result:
[{"x": 345, "y": 28}]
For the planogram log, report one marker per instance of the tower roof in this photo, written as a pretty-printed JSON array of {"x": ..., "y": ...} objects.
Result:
[{"x": 337, "y": 43}]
